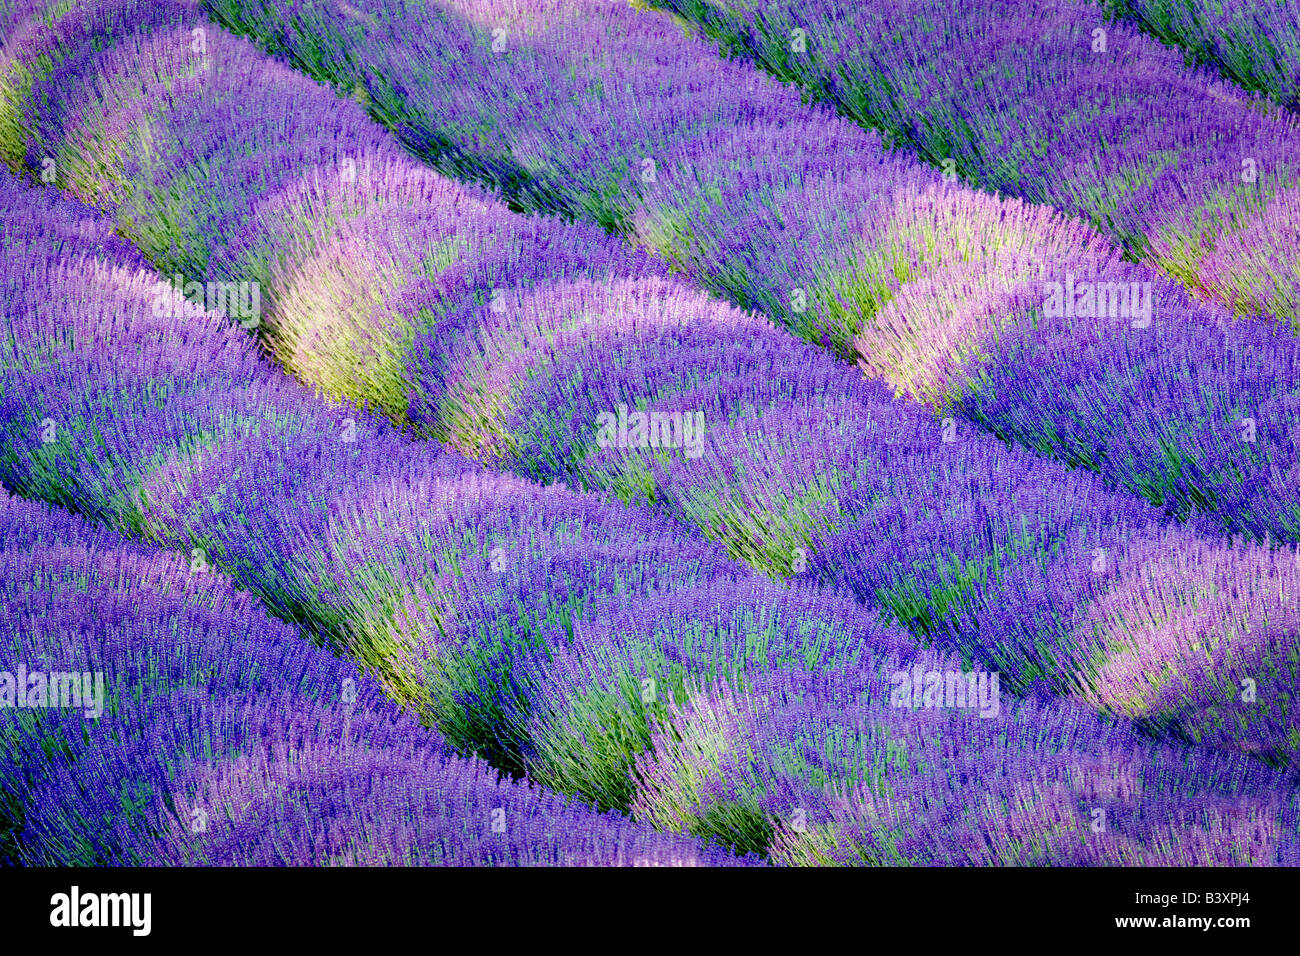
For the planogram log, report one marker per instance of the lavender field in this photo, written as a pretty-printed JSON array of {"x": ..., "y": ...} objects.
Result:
[{"x": 650, "y": 432}]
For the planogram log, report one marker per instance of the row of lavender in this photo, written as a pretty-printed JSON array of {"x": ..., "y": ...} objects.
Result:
[
  {"x": 1022, "y": 321},
  {"x": 554, "y": 625},
  {"x": 1028, "y": 570},
  {"x": 1254, "y": 42},
  {"x": 1055, "y": 103},
  {"x": 155, "y": 716}
]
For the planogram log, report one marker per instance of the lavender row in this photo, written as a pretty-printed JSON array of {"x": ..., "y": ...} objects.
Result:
[
  {"x": 1085, "y": 359},
  {"x": 940, "y": 766},
  {"x": 1054, "y": 103},
  {"x": 793, "y": 212},
  {"x": 986, "y": 551},
  {"x": 866, "y": 769},
  {"x": 1256, "y": 43},
  {"x": 156, "y": 716}
]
